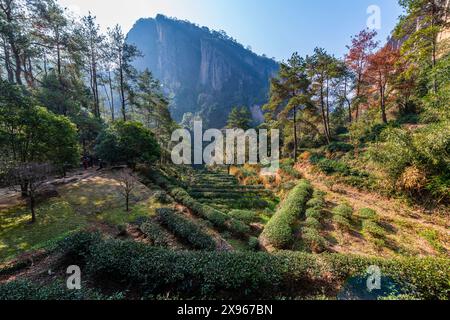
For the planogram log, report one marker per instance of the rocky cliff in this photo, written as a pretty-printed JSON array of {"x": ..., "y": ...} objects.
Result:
[{"x": 204, "y": 72}]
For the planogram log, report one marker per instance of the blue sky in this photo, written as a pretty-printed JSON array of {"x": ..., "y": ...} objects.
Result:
[{"x": 276, "y": 28}]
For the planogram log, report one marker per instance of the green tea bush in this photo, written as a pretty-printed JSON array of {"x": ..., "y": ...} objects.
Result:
[
  {"x": 312, "y": 223},
  {"x": 316, "y": 203},
  {"x": 218, "y": 218},
  {"x": 368, "y": 214},
  {"x": 235, "y": 275},
  {"x": 278, "y": 231},
  {"x": 244, "y": 215},
  {"x": 253, "y": 243},
  {"x": 343, "y": 210},
  {"x": 312, "y": 238},
  {"x": 342, "y": 222},
  {"x": 313, "y": 213},
  {"x": 155, "y": 233},
  {"x": 76, "y": 246},
  {"x": 57, "y": 290},
  {"x": 162, "y": 197},
  {"x": 186, "y": 230},
  {"x": 374, "y": 229},
  {"x": 256, "y": 275}
]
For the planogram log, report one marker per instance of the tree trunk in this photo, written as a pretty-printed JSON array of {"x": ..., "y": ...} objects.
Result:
[
  {"x": 324, "y": 117},
  {"x": 24, "y": 190},
  {"x": 112, "y": 95},
  {"x": 383, "y": 106},
  {"x": 33, "y": 213},
  {"x": 295, "y": 134},
  {"x": 127, "y": 200}
]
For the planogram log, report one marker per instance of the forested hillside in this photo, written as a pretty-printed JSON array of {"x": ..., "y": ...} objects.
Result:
[
  {"x": 86, "y": 177},
  {"x": 205, "y": 72}
]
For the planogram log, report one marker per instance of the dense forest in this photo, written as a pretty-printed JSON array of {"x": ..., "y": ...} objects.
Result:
[{"x": 364, "y": 178}]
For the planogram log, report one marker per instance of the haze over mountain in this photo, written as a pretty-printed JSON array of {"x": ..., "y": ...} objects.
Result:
[{"x": 204, "y": 72}]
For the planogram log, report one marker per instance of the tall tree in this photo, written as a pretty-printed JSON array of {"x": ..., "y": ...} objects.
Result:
[
  {"x": 288, "y": 94},
  {"x": 323, "y": 70},
  {"x": 381, "y": 72},
  {"x": 240, "y": 118},
  {"x": 14, "y": 38},
  {"x": 357, "y": 59},
  {"x": 123, "y": 55},
  {"x": 93, "y": 42}
]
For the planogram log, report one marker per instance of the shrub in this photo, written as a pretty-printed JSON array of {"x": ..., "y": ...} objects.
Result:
[
  {"x": 76, "y": 246},
  {"x": 256, "y": 275},
  {"x": 216, "y": 217},
  {"x": 239, "y": 275},
  {"x": 312, "y": 238},
  {"x": 162, "y": 197},
  {"x": 155, "y": 233},
  {"x": 343, "y": 210},
  {"x": 27, "y": 290},
  {"x": 253, "y": 243},
  {"x": 316, "y": 203},
  {"x": 312, "y": 223},
  {"x": 244, "y": 215},
  {"x": 374, "y": 229},
  {"x": 313, "y": 213},
  {"x": 127, "y": 142},
  {"x": 368, "y": 214},
  {"x": 328, "y": 166},
  {"x": 278, "y": 231},
  {"x": 342, "y": 222},
  {"x": 339, "y": 147},
  {"x": 186, "y": 230}
]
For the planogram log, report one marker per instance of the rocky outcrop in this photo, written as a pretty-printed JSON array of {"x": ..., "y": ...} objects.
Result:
[{"x": 204, "y": 72}]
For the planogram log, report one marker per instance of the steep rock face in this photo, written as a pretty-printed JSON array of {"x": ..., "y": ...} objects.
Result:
[{"x": 204, "y": 72}]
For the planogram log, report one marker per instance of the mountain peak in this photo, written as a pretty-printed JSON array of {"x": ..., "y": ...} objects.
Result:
[{"x": 204, "y": 72}]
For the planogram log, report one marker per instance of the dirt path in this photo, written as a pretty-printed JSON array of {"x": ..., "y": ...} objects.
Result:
[{"x": 405, "y": 223}]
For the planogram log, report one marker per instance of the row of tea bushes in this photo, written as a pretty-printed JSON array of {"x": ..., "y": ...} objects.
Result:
[
  {"x": 310, "y": 233},
  {"x": 240, "y": 275},
  {"x": 186, "y": 230},
  {"x": 216, "y": 217},
  {"x": 278, "y": 232},
  {"x": 155, "y": 233}
]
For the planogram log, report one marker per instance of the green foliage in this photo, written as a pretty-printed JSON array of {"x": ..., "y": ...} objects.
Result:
[
  {"x": 186, "y": 230},
  {"x": 278, "y": 232},
  {"x": 76, "y": 246},
  {"x": 29, "y": 133},
  {"x": 253, "y": 243},
  {"x": 373, "y": 228},
  {"x": 316, "y": 203},
  {"x": 57, "y": 290},
  {"x": 127, "y": 142},
  {"x": 312, "y": 223},
  {"x": 333, "y": 166},
  {"x": 368, "y": 214},
  {"x": 426, "y": 149},
  {"x": 313, "y": 213},
  {"x": 337, "y": 146},
  {"x": 244, "y": 215},
  {"x": 157, "y": 235},
  {"x": 253, "y": 275},
  {"x": 342, "y": 222},
  {"x": 239, "y": 118},
  {"x": 343, "y": 210},
  {"x": 312, "y": 238},
  {"x": 162, "y": 197},
  {"x": 287, "y": 168}
]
